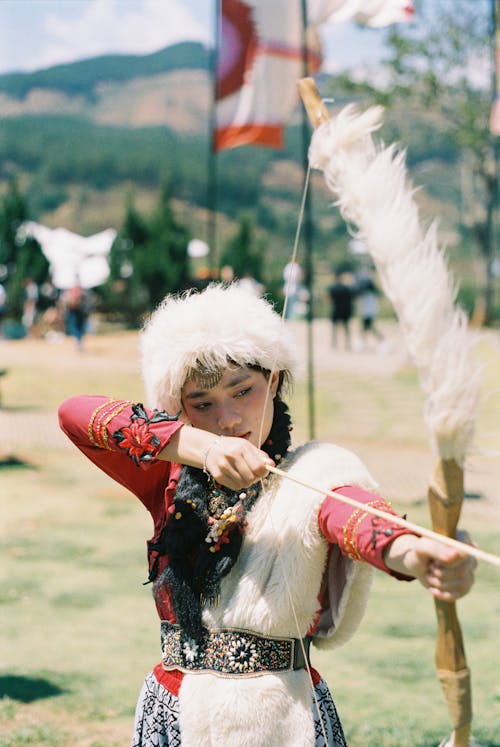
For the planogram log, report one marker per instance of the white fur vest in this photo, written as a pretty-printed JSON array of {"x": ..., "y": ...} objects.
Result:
[{"x": 273, "y": 589}]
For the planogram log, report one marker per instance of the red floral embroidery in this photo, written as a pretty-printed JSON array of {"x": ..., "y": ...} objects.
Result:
[{"x": 137, "y": 439}]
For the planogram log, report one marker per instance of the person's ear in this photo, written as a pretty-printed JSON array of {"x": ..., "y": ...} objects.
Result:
[
  {"x": 182, "y": 415},
  {"x": 275, "y": 379}
]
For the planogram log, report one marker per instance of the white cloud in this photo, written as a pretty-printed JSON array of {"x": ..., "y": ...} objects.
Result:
[
  {"x": 347, "y": 46},
  {"x": 110, "y": 26},
  {"x": 116, "y": 26},
  {"x": 36, "y": 34}
]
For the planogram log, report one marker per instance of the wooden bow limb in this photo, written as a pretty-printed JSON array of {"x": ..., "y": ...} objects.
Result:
[
  {"x": 314, "y": 106},
  {"x": 373, "y": 196},
  {"x": 445, "y": 497}
]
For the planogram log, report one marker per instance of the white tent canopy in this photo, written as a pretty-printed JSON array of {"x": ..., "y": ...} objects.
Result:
[{"x": 74, "y": 259}]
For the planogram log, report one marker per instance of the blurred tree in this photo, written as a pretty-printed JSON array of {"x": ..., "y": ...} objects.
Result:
[
  {"x": 13, "y": 211},
  {"x": 147, "y": 261},
  {"x": 164, "y": 264},
  {"x": 30, "y": 263},
  {"x": 129, "y": 298},
  {"x": 444, "y": 62},
  {"x": 242, "y": 253},
  {"x": 20, "y": 259}
]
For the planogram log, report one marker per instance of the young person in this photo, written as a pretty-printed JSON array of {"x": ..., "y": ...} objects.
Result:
[{"x": 247, "y": 567}]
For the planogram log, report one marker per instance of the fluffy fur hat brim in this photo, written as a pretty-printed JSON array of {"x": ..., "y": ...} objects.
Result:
[{"x": 209, "y": 328}]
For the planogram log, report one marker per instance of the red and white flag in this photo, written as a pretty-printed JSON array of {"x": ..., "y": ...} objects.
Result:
[{"x": 260, "y": 58}]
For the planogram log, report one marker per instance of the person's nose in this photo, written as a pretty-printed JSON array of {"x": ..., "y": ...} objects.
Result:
[{"x": 228, "y": 418}]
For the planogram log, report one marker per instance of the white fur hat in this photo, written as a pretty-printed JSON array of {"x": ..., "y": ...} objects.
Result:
[{"x": 206, "y": 329}]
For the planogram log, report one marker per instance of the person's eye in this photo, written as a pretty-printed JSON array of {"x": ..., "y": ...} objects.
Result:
[
  {"x": 242, "y": 392},
  {"x": 202, "y": 406}
]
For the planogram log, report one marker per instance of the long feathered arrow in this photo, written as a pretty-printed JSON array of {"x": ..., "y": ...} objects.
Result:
[{"x": 375, "y": 198}]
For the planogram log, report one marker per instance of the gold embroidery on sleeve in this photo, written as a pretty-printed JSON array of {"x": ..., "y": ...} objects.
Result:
[
  {"x": 104, "y": 429},
  {"x": 102, "y": 415},
  {"x": 90, "y": 428},
  {"x": 351, "y": 527}
]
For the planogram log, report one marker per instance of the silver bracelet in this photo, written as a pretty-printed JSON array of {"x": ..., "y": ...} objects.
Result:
[{"x": 207, "y": 451}]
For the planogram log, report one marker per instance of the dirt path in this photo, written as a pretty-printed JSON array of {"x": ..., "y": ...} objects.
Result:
[
  {"x": 401, "y": 465},
  {"x": 20, "y": 425}
]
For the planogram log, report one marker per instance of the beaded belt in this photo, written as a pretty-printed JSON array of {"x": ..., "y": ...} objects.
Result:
[{"x": 231, "y": 651}]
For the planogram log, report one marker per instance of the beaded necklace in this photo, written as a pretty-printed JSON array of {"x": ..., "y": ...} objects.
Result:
[
  {"x": 224, "y": 516},
  {"x": 204, "y": 535}
]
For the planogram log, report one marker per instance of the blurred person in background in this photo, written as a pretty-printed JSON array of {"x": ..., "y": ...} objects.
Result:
[
  {"x": 76, "y": 304},
  {"x": 30, "y": 304},
  {"x": 250, "y": 284},
  {"x": 367, "y": 295},
  {"x": 341, "y": 295}
]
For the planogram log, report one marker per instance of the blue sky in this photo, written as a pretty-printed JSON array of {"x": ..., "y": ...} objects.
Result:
[{"x": 39, "y": 33}]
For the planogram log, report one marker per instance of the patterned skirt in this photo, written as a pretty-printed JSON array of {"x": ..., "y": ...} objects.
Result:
[{"x": 157, "y": 717}]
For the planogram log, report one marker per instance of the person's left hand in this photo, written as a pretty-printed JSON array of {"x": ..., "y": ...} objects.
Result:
[{"x": 446, "y": 572}]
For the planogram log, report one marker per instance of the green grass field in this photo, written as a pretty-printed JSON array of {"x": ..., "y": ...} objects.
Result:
[{"x": 79, "y": 630}]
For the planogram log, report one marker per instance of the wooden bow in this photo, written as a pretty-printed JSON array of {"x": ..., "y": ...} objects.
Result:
[
  {"x": 373, "y": 195},
  {"x": 445, "y": 497}
]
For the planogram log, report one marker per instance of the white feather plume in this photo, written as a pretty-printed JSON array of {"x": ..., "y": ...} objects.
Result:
[{"x": 376, "y": 198}]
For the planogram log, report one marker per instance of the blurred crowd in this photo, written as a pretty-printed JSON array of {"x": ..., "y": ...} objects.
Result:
[
  {"x": 52, "y": 314},
  {"x": 355, "y": 295},
  {"x": 48, "y": 312}
]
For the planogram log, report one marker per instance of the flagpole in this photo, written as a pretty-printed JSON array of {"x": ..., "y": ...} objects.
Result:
[
  {"x": 495, "y": 137},
  {"x": 212, "y": 155},
  {"x": 308, "y": 239}
]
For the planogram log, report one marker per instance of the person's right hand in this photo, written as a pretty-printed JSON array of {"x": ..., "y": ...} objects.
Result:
[{"x": 235, "y": 462}]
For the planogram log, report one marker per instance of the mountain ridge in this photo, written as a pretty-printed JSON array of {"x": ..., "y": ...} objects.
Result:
[
  {"x": 170, "y": 87},
  {"x": 81, "y": 136},
  {"x": 83, "y": 75}
]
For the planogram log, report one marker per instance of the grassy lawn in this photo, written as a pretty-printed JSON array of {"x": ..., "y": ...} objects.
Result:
[{"x": 79, "y": 630}]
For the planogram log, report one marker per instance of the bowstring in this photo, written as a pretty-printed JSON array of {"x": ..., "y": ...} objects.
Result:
[
  {"x": 293, "y": 257},
  {"x": 288, "y": 286}
]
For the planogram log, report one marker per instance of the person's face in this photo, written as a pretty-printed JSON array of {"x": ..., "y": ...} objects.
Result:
[{"x": 237, "y": 406}]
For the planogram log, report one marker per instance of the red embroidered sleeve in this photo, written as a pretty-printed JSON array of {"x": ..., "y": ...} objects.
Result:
[
  {"x": 360, "y": 535},
  {"x": 139, "y": 438},
  {"x": 123, "y": 439},
  {"x": 99, "y": 420}
]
